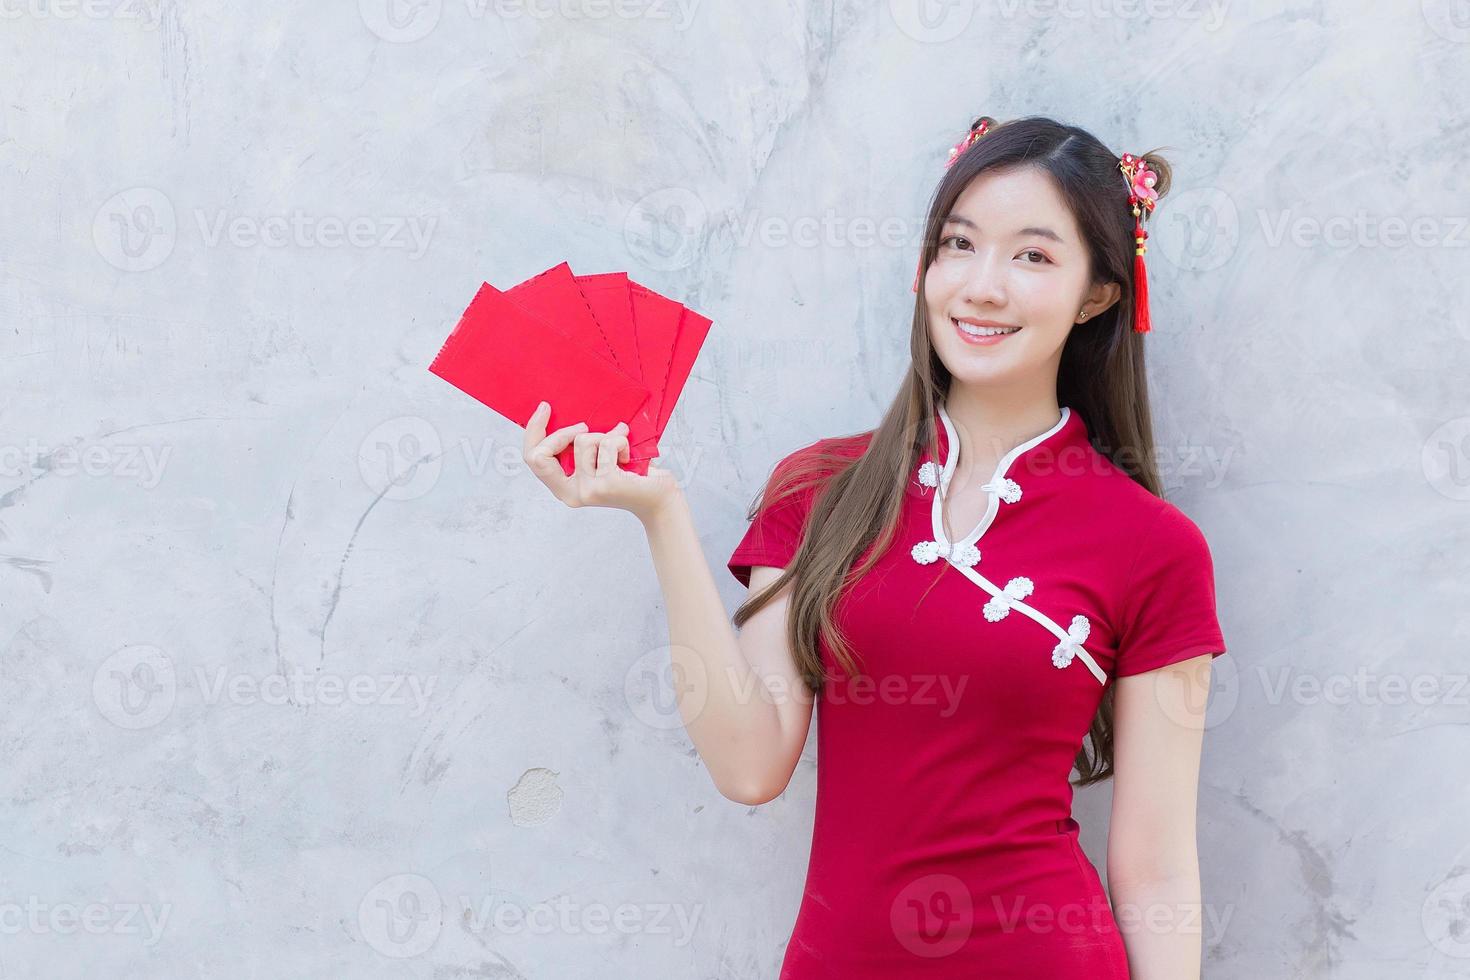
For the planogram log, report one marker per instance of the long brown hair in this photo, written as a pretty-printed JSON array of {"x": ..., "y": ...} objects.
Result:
[{"x": 857, "y": 483}]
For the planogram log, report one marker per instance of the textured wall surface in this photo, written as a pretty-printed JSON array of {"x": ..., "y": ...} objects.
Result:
[{"x": 301, "y": 675}]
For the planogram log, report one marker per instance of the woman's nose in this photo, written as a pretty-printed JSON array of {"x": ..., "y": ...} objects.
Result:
[{"x": 985, "y": 284}]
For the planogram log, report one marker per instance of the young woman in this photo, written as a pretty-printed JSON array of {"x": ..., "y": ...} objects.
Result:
[{"x": 983, "y": 593}]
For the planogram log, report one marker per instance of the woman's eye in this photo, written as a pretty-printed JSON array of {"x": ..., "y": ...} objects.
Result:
[{"x": 1034, "y": 256}]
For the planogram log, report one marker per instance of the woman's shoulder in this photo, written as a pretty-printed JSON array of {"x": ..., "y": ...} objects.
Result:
[
  {"x": 1130, "y": 507},
  {"x": 806, "y": 469},
  {"x": 830, "y": 451},
  {"x": 1159, "y": 529}
]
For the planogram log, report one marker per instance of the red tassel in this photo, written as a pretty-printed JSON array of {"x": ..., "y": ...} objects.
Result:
[{"x": 1141, "y": 322}]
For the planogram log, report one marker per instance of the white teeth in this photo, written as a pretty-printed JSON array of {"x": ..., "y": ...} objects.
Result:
[{"x": 974, "y": 331}]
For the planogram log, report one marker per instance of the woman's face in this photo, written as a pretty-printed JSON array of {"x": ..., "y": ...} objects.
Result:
[{"x": 1010, "y": 254}]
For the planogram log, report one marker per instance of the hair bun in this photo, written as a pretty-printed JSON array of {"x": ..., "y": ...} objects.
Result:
[{"x": 1163, "y": 174}]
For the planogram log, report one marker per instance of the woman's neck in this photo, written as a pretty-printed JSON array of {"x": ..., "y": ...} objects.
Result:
[{"x": 990, "y": 422}]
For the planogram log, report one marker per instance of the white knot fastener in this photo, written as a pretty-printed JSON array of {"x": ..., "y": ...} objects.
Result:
[
  {"x": 1009, "y": 490},
  {"x": 927, "y": 552},
  {"x": 999, "y": 606},
  {"x": 1063, "y": 652},
  {"x": 929, "y": 474}
]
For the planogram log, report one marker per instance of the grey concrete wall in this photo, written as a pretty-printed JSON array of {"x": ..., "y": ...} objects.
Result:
[{"x": 235, "y": 234}]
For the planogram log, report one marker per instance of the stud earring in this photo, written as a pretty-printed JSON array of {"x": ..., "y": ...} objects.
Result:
[{"x": 1084, "y": 315}]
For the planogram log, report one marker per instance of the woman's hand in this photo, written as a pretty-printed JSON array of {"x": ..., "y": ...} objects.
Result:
[{"x": 597, "y": 480}]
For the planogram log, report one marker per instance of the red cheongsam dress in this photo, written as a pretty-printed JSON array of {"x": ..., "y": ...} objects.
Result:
[{"x": 944, "y": 844}]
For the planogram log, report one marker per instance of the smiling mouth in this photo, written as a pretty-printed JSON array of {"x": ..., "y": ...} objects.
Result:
[{"x": 974, "y": 331}]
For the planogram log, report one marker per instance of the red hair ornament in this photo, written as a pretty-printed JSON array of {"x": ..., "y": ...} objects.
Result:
[{"x": 1142, "y": 198}]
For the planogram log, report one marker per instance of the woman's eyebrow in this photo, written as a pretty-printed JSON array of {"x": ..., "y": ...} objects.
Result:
[{"x": 958, "y": 219}]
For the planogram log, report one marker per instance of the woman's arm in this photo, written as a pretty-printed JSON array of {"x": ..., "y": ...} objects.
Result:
[
  {"x": 1153, "y": 858},
  {"x": 740, "y": 696}
]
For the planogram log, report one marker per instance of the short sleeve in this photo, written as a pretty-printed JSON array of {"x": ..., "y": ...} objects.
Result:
[
  {"x": 1169, "y": 606},
  {"x": 775, "y": 533}
]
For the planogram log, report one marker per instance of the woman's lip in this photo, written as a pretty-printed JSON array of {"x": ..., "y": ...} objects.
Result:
[{"x": 979, "y": 341}]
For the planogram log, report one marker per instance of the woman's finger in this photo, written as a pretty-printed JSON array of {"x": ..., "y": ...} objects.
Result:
[
  {"x": 562, "y": 438},
  {"x": 541, "y": 458},
  {"x": 586, "y": 453},
  {"x": 535, "y": 435},
  {"x": 611, "y": 448},
  {"x": 535, "y": 428}
]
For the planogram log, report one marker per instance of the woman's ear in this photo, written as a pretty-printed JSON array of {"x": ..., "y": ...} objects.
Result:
[{"x": 1100, "y": 298}]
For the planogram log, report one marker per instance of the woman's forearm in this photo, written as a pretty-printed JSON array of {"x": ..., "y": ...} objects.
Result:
[
  {"x": 724, "y": 704},
  {"x": 1161, "y": 922}
]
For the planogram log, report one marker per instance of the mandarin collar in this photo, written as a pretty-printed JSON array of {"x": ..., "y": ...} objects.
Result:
[
  {"x": 1032, "y": 459},
  {"x": 1070, "y": 430}
]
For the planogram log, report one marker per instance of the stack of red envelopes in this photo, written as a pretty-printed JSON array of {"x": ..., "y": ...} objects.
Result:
[{"x": 601, "y": 349}]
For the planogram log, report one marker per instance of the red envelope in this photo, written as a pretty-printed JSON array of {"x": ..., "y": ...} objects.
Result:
[
  {"x": 693, "y": 328},
  {"x": 601, "y": 349},
  {"x": 609, "y": 300},
  {"x": 658, "y": 327},
  {"x": 556, "y": 297},
  {"x": 609, "y": 296},
  {"x": 511, "y": 360}
]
